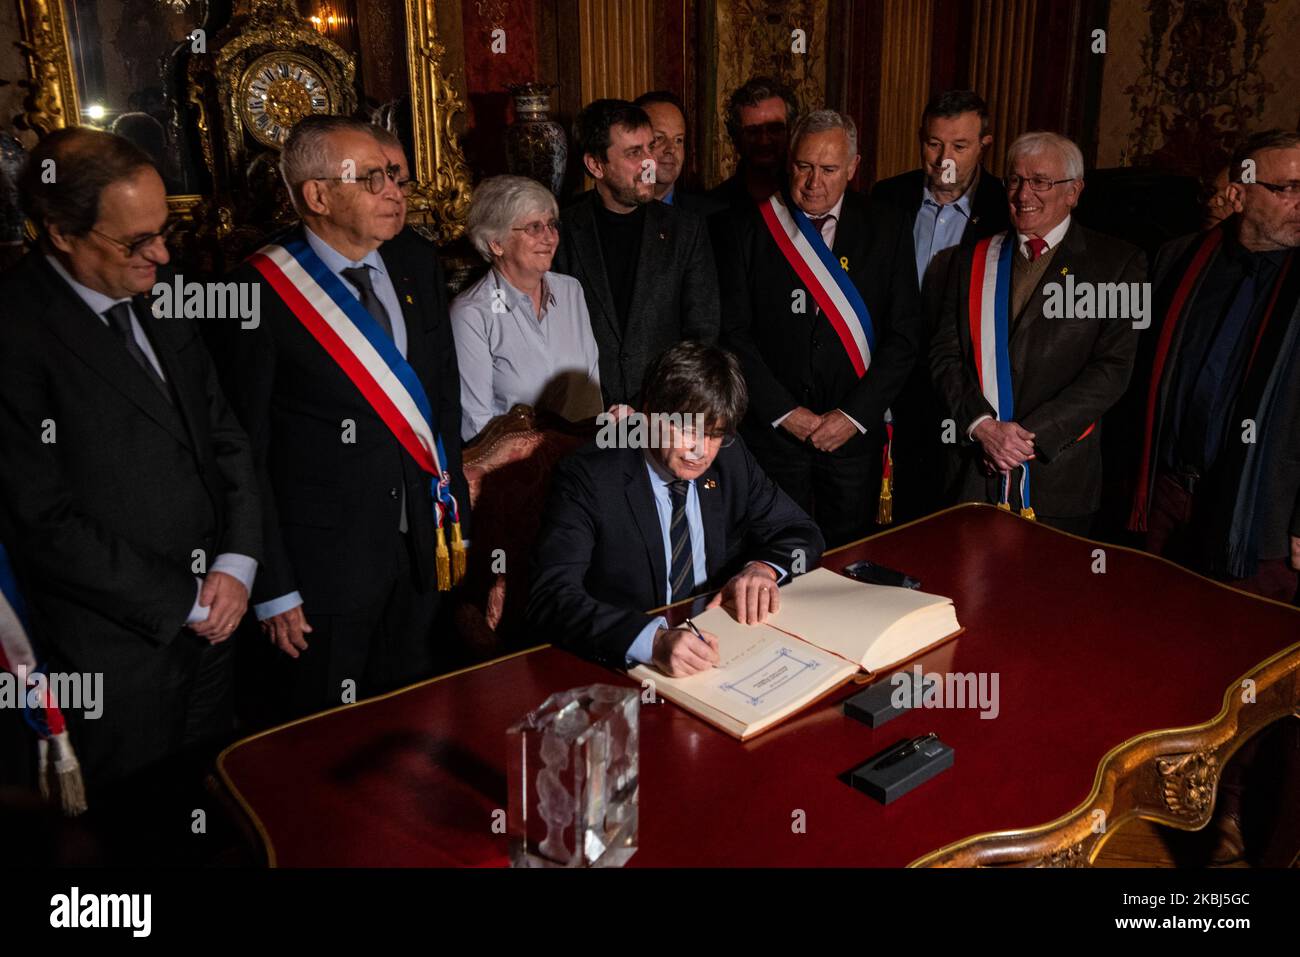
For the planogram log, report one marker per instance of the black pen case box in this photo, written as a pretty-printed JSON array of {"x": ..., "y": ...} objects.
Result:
[
  {"x": 890, "y": 783},
  {"x": 875, "y": 704}
]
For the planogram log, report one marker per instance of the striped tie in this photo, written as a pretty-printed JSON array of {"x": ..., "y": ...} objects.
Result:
[{"x": 681, "y": 569}]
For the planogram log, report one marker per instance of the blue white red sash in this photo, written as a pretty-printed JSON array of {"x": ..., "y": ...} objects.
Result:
[
  {"x": 59, "y": 772},
  {"x": 368, "y": 356},
  {"x": 806, "y": 251},
  {"x": 990, "y": 336}
]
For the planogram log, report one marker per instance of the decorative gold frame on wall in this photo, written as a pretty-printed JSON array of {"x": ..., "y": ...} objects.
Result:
[{"x": 441, "y": 204}]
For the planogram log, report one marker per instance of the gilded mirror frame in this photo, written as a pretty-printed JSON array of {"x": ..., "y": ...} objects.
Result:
[{"x": 440, "y": 205}]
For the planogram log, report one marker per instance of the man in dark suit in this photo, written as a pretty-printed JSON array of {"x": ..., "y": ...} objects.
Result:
[
  {"x": 817, "y": 409},
  {"x": 668, "y": 148},
  {"x": 348, "y": 591},
  {"x": 128, "y": 486},
  {"x": 949, "y": 201},
  {"x": 1066, "y": 370},
  {"x": 628, "y": 529},
  {"x": 646, "y": 268},
  {"x": 1218, "y": 486},
  {"x": 760, "y": 114}
]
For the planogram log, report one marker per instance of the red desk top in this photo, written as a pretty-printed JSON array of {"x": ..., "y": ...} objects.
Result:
[{"x": 1085, "y": 661}]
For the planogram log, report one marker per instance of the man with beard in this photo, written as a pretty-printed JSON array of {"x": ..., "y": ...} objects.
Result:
[
  {"x": 1218, "y": 486},
  {"x": 646, "y": 268}
]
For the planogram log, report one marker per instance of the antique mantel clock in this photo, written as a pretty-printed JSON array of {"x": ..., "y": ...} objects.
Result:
[
  {"x": 261, "y": 74},
  {"x": 276, "y": 91}
]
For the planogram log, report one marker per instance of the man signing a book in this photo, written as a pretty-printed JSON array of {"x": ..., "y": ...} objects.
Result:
[{"x": 666, "y": 504}]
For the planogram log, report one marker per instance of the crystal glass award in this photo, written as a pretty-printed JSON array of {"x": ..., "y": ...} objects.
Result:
[{"x": 572, "y": 774}]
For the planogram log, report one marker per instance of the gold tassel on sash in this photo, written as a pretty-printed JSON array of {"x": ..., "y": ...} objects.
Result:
[
  {"x": 457, "y": 553},
  {"x": 60, "y": 775},
  {"x": 1026, "y": 513},
  {"x": 885, "y": 508},
  {"x": 443, "y": 562}
]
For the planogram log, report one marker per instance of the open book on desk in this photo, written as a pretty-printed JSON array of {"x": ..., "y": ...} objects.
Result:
[{"x": 830, "y": 628}]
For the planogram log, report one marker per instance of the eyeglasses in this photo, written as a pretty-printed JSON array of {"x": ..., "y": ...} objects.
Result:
[
  {"x": 136, "y": 246},
  {"x": 1286, "y": 189},
  {"x": 533, "y": 230},
  {"x": 1039, "y": 184},
  {"x": 374, "y": 180},
  {"x": 690, "y": 437}
]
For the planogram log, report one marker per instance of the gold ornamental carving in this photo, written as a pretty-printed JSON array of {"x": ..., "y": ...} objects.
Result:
[
  {"x": 1188, "y": 782},
  {"x": 52, "y": 90},
  {"x": 441, "y": 201}
]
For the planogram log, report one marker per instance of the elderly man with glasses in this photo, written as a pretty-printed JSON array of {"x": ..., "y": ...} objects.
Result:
[
  {"x": 522, "y": 332},
  {"x": 674, "y": 507},
  {"x": 350, "y": 391},
  {"x": 1025, "y": 379}
]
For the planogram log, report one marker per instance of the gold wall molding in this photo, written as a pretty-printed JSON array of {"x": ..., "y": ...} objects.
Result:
[
  {"x": 907, "y": 26},
  {"x": 1001, "y": 69},
  {"x": 616, "y": 48},
  {"x": 51, "y": 86},
  {"x": 441, "y": 203}
]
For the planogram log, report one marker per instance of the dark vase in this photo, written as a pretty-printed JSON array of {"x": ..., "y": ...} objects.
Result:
[{"x": 535, "y": 143}]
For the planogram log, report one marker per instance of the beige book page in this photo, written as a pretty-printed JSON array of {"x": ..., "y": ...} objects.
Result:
[
  {"x": 762, "y": 671},
  {"x": 844, "y": 616}
]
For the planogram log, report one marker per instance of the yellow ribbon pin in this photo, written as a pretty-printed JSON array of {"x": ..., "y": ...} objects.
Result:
[{"x": 844, "y": 263}]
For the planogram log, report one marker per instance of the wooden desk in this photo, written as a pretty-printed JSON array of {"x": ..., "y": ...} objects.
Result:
[{"x": 1120, "y": 696}]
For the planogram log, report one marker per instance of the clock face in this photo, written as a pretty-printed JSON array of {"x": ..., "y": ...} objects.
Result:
[{"x": 277, "y": 90}]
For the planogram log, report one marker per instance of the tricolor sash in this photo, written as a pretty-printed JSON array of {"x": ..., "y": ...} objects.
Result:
[
  {"x": 335, "y": 318},
  {"x": 60, "y": 772},
  {"x": 833, "y": 290},
  {"x": 989, "y": 308}
]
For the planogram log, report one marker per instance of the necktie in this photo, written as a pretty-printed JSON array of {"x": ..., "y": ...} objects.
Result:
[
  {"x": 359, "y": 276},
  {"x": 818, "y": 222},
  {"x": 119, "y": 320},
  {"x": 681, "y": 570},
  {"x": 1036, "y": 245}
]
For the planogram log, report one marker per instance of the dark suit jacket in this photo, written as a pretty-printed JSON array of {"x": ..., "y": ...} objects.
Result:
[
  {"x": 797, "y": 360},
  {"x": 332, "y": 507},
  {"x": 1277, "y": 501},
  {"x": 599, "y": 561},
  {"x": 675, "y": 295},
  {"x": 1065, "y": 374},
  {"x": 989, "y": 213},
  {"x": 105, "y": 516},
  {"x": 700, "y": 204}
]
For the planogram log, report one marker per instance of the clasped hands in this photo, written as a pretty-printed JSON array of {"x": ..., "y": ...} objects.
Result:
[
  {"x": 1006, "y": 444},
  {"x": 752, "y": 594},
  {"x": 826, "y": 433},
  {"x": 226, "y": 600}
]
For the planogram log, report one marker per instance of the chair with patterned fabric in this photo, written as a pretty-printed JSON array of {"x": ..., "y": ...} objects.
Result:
[{"x": 508, "y": 470}]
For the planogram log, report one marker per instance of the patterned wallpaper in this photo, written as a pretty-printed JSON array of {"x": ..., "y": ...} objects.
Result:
[
  {"x": 1184, "y": 79},
  {"x": 754, "y": 36}
]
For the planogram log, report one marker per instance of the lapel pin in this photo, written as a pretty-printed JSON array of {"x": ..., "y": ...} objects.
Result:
[
  {"x": 844, "y": 263},
  {"x": 710, "y": 483},
  {"x": 663, "y": 235},
  {"x": 410, "y": 300},
  {"x": 1064, "y": 270}
]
